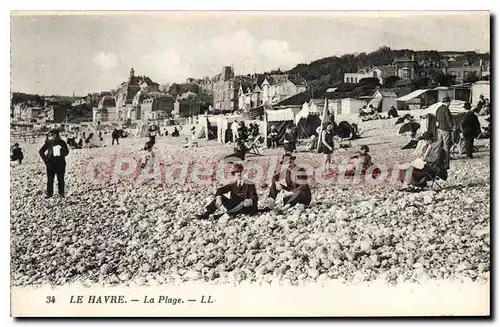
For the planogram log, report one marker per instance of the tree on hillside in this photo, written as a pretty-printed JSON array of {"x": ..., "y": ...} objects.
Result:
[
  {"x": 445, "y": 79},
  {"x": 164, "y": 87},
  {"x": 403, "y": 83},
  {"x": 471, "y": 78},
  {"x": 370, "y": 81},
  {"x": 390, "y": 81},
  {"x": 421, "y": 83}
]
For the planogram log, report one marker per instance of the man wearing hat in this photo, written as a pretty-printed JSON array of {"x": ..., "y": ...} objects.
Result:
[
  {"x": 292, "y": 181},
  {"x": 242, "y": 196},
  {"x": 471, "y": 128},
  {"x": 53, "y": 154},
  {"x": 445, "y": 126}
]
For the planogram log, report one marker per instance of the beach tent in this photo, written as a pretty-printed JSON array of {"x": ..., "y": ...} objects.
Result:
[
  {"x": 225, "y": 126},
  {"x": 442, "y": 92},
  {"x": 281, "y": 119},
  {"x": 417, "y": 99},
  {"x": 307, "y": 120},
  {"x": 350, "y": 106},
  {"x": 477, "y": 89},
  {"x": 382, "y": 100}
]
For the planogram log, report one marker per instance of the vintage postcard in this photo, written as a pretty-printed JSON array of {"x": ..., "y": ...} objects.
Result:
[{"x": 250, "y": 164}]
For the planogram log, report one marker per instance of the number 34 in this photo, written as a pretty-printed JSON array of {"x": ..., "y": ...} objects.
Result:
[{"x": 50, "y": 299}]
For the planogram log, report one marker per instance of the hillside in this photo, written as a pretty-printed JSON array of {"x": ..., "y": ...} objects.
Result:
[{"x": 329, "y": 71}]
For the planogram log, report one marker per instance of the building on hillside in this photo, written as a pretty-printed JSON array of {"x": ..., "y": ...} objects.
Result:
[
  {"x": 205, "y": 92},
  {"x": 156, "y": 105},
  {"x": 127, "y": 90},
  {"x": 55, "y": 114},
  {"x": 79, "y": 102},
  {"x": 105, "y": 110},
  {"x": 462, "y": 69},
  {"x": 225, "y": 88},
  {"x": 372, "y": 72},
  {"x": 186, "y": 105},
  {"x": 276, "y": 88},
  {"x": 92, "y": 99},
  {"x": 245, "y": 94},
  {"x": 406, "y": 68},
  {"x": 380, "y": 72},
  {"x": 29, "y": 112}
]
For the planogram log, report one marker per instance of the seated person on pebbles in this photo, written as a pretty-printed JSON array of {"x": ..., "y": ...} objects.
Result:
[
  {"x": 242, "y": 197},
  {"x": 292, "y": 183}
]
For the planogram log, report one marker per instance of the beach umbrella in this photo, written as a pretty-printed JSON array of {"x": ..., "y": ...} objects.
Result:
[{"x": 411, "y": 126}]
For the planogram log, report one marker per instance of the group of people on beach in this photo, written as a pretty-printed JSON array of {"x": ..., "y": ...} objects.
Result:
[{"x": 433, "y": 155}]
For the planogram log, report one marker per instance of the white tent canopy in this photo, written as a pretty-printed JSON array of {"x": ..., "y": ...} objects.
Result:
[
  {"x": 280, "y": 115},
  {"x": 456, "y": 107},
  {"x": 412, "y": 95},
  {"x": 306, "y": 111},
  {"x": 479, "y": 88}
]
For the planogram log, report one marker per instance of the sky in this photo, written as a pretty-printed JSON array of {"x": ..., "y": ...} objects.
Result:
[{"x": 62, "y": 53}]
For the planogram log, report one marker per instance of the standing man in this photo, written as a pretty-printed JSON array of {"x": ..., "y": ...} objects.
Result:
[
  {"x": 445, "y": 127},
  {"x": 289, "y": 141},
  {"x": 53, "y": 154},
  {"x": 471, "y": 128},
  {"x": 115, "y": 135}
]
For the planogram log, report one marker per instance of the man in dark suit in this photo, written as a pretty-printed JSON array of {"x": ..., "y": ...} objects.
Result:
[
  {"x": 471, "y": 128},
  {"x": 242, "y": 197},
  {"x": 53, "y": 154},
  {"x": 291, "y": 181}
]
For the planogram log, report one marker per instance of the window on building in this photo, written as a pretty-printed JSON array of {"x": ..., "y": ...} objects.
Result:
[{"x": 406, "y": 73}]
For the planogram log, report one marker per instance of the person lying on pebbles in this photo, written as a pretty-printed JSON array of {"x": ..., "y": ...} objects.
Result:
[
  {"x": 243, "y": 197},
  {"x": 292, "y": 183}
]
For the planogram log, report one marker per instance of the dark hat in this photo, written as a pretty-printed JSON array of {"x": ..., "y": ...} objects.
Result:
[
  {"x": 428, "y": 136},
  {"x": 302, "y": 174},
  {"x": 236, "y": 168},
  {"x": 16, "y": 144},
  {"x": 289, "y": 156},
  {"x": 365, "y": 147},
  {"x": 467, "y": 106},
  {"x": 446, "y": 100}
]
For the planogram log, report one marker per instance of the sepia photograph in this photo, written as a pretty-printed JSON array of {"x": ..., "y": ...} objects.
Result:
[{"x": 258, "y": 163}]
